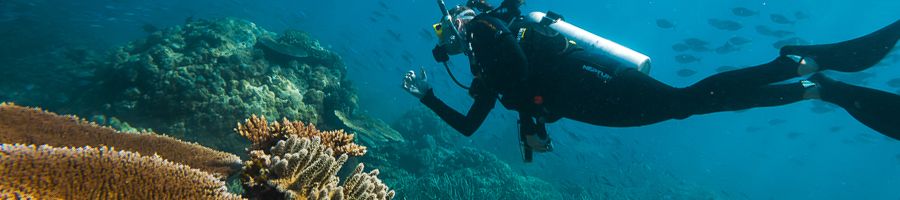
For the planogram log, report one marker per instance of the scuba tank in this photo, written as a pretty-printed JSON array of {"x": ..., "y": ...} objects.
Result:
[{"x": 620, "y": 55}]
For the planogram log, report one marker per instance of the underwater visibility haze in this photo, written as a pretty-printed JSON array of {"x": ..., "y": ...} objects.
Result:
[{"x": 301, "y": 99}]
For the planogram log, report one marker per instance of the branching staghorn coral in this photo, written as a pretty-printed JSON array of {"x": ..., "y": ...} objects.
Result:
[
  {"x": 262, "y": 134},
  {"x": 303, "y": 168},
  {"x": 34, "y": 126},
  {"x": 46, "y": 172}
]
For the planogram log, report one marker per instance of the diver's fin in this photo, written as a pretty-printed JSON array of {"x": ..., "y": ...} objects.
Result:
[
  {"x": 851, "y": 55},
  {"x": 876, "y": 109}
]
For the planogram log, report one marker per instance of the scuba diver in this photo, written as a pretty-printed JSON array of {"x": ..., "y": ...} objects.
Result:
[{"x": 546, "y": 73}]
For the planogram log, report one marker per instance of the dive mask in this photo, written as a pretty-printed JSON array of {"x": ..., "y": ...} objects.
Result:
[{"x": 447, "y": 31}]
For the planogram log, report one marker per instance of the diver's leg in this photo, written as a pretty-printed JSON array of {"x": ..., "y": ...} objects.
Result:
[
  {"x": 718, "y": 99},
  {"x": 852, "y": 55},
  {"x": 876, "y": 109},
  {"x": 780, "y": 69}
]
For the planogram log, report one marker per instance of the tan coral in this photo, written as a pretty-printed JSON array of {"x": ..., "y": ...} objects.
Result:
[
  {"x": 34, "y": 126},
  {"x": 262, "y": 134},
  {"x": 303, "y": 168},
  {"x": 100, "y": 173}
]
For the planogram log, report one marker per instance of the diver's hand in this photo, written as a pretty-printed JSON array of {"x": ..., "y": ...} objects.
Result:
[{"x": 416, "y": 85}]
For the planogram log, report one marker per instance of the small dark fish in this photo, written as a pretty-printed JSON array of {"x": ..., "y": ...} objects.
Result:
[
  {"x": 743, "y": 12},
  {"x": 752, "y": 129},
  {"x": 377, "y": 14},
  {"x": 394, "y": 17},
  {"x": 383, "y": 5},
  {"x": 680, "y": 47},
  {"x": 794, "y": 135},
  {"x": 727, "y": 48},
  {"x": 685, "y": 58},
  {"x": 685, "y": 72},
  {"x": 775, "y": 122},
  {"x": 738, "y": 40},
  {"x": 727, "y": 25},
  {"x": 835, "y": 129},
  {"x": 664, "y": 24},
  {"x": 894, "y": 83},
  {"x": 395, "y": 35},
  {"x": 800, "y": 15},
  {"x": 695, "y": 42},
  {"x": 725, "y": 68},
  {"x": 427, "y": 34},
  {"x": 780, "y": 19},
  {"x": 790, "y": 41}
]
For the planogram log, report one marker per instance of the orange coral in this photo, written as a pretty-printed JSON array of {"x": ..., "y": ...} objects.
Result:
[
  {"x": 304, "y": 168},
  {"x": 34, "y": 126},
  {"x": 262, "y": 134},
  {"x": 100, "y": 173}
]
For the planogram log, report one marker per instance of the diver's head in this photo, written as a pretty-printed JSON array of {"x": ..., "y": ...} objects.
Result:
[{"x": 450, "y": 30}]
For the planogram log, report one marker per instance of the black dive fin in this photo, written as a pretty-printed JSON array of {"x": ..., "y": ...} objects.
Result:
[
  {"x": 852, "y": 55},
  {"x": 876, "y": 109}
]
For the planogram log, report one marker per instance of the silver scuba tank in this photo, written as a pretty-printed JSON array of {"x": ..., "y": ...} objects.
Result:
[{"x": 620, "y": 55}]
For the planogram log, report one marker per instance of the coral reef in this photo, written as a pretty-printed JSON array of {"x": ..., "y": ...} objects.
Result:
[
  {"x": 34, "y": 126},
  {"x": 100, "y": 173},
  {"x": 262, "y": 134},
  {"x": 303, "y": 168},
  {"x": 193, "y": 81},
  {"x": 377, "y": 131}
]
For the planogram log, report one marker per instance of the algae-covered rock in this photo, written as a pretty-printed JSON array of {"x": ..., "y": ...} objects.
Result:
[{"x": 194, "y": 81}]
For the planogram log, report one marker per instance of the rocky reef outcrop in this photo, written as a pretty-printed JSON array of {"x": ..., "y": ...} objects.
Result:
[{"x": 195, "y": 80}]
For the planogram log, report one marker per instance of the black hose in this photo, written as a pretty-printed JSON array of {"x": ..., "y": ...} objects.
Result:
[{"x": 454, "y": 77}]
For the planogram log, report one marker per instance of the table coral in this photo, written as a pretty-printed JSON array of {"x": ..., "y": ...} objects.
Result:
[
  {"x": 34, "y": 126},
  {"x": 46, "y": 172}
]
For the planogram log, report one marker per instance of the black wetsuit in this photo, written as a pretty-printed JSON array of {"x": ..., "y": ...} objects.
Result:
[{"x": 572, "y": 84}]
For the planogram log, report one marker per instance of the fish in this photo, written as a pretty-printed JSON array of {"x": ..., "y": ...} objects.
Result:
[
  {"x": 427, "y": 35},
  {"x": 794, "y": 135},
  {"x": 800, "y": 15},
  {"x": 695, "y": 42},
  {"x": 664, "y": 24},
  {"x": 680, "y": 47},
  {"x": 727, "y": 48},
  {"x": 738, "y": 40},
  {"x": 835, "y": 129},
  {"x": 780, "y": 19},
  {"x": 752, "y": 129},
  {"x": 727, "y": 25},
  {"x": 790, "y": 41},
  {"x": 894, "y": 83},
  {"x": 774, "y": 122},
  {"x": 725, "y": 68},
  {"x": 743, "y": 12},
  {"x": 395, "y": 35},
  {"x": 765, "y": 30},
  {"x": 686, "y": 58},
  {"x": 685, "y": 72}
]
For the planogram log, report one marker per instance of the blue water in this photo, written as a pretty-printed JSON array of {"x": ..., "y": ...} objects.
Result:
[{"x": 737, "y": 153}]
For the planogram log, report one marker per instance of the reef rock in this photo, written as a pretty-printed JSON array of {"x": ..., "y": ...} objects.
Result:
[{"x": 195, "y": 80}]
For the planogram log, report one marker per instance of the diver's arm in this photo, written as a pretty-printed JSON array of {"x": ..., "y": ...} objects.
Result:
[{"x": 464, "y": 124}]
